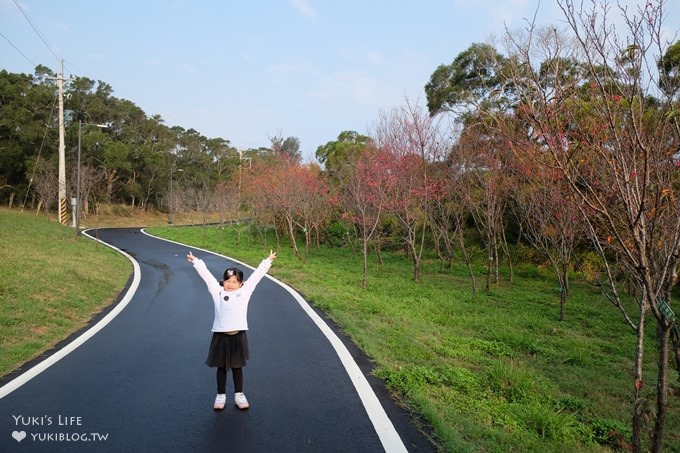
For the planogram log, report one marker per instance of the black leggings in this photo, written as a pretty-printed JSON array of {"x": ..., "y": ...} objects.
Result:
[{"x": 237, "y": 374}]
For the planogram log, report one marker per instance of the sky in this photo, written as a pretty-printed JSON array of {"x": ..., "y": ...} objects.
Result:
[{"x": 250, "y": 70}]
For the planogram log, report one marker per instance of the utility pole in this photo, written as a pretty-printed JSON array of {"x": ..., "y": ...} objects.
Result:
[{"x": 63, "y": 215}]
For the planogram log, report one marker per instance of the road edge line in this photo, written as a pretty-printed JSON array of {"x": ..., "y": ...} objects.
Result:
[
  {"x": 389, "y": 437},
  {"x": 43, "y": 365}
]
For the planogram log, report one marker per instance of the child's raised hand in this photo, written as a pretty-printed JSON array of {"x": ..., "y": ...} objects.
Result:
[
  {"x": 272, "y": 255},
  {"x": 190, "y": 257}
]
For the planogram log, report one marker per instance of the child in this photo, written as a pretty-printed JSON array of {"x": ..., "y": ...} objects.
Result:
[{"x": 229, "y": 345}]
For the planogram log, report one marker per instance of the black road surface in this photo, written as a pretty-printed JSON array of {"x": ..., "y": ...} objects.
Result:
[{"x": 139, "y": 383}]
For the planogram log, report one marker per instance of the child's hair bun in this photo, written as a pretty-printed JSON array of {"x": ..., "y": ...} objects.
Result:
[{"x": 233, "y": 271}]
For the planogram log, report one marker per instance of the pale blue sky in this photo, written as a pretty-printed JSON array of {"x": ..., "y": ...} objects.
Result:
[{"x": 247, "y": 70}]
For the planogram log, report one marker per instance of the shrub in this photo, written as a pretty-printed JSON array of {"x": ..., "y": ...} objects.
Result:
[
  {"x": 590, "y": 266},
  {"x": 611, "y": 433},
  {"x": 335, "y": 234}
]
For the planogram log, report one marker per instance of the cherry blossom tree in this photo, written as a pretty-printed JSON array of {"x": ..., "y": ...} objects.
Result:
[
  {"x": 597, "y": 108},
  {"x": 364, "y": 186},
  {"x": 414, "y": 138},
  {"x": 552, "y": 222},
  {"x": 487, "y": 186},
  {"x": 294, "y": 196}
]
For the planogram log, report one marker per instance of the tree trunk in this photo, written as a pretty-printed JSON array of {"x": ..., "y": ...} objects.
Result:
[
  {"x": 639, "y": 409},
  {"x": 497, "y": 264},
  {"x": 293, "y": 242},
  {"x": 438, "y": 250},
  {"x": 466, "y": 257},
  {"x": 662, "y": 386},
  {"x": 416, "y": 268},
  {"x": 564, "y": 288},
  {"x": 111, "y": 178},
  {"x": 364, "y": 250},
  {"x": 563, "y": 300},
  {"x": 308, "y": 242},
  {"x": 378, "y": 254},
  {"x": 277, "y": 236},
  {"x": 506, "y": 250}
]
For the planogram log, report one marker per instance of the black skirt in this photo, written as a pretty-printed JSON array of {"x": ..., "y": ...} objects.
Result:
[{"x": 228, "y": 351}]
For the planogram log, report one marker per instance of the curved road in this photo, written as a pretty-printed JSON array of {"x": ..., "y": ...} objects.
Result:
[{"x": 136, "y": 381}]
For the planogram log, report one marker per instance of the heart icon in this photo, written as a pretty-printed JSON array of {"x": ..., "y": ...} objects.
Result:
[{"x": 19, "y": 435}]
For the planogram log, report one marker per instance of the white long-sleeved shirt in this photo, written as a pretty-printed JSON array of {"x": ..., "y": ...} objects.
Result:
[{"x": 231, "y": 307}]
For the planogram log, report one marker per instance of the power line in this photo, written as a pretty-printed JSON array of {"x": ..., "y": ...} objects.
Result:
[
  {"x": 42, "y": 145},
  {"x": 40, "y": 35},
  {"x": 17, "y": 49}
]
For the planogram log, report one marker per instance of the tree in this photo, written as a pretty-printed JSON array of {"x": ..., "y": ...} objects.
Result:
[
  {"x": 136, "y": 153},
  {"x": 364, "y": 186},
  {"x": 336, "y": 154},
  {"x": 45, "y": 184},
  {"x": 669, "y": 67},
  {"x": 552, "y": 222},
  {"x": 28, "y": 106},
  {"x": 289, "y": 147},
  {"x": 450, "y": 212},
  {"x": 148, "y": 160},
  {"x": 475, "y": 80},
  {"x": 91, "y": 178},
  {"x": 283, "y": 192},
  {"x": 474, "y": 85},
  {"x": 414, "y": 139},
  {"x": 440, "y": 216},
  {"x": 487, "y": 188},
  {"x": 316, "y": 206},
  {"x": 612, "y": 141}
]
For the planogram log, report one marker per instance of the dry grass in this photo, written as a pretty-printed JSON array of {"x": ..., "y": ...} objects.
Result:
[{"x": 126, "y": 216}]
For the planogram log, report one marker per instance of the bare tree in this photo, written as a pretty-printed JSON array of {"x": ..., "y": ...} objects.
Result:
[
  {"x": 45, "y": 185},
  {"x": 203, "y": 199},
  {"x": 414, "y": 138},
  {"x": 448, "y": 217},
  {"x": 90, "y": 179},
  {"x": 552, "y": 222},
  {"x": 486, "y": 186},
  {"x": 227, "y": 201},
  {"x": 596, "y": 109}
]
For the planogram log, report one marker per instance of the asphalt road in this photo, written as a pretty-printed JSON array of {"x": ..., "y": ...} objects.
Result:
[{"x": 135, "y": 381}]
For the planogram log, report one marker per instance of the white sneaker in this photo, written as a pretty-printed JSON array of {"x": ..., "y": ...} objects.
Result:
[
  {"x": 240, "y": 401},
  {"x": 220, "y": 400}
]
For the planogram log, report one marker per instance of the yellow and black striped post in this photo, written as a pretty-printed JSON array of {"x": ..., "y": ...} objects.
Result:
[{"x": 63, "y": 213}]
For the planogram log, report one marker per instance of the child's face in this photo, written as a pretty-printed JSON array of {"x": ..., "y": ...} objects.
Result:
[{"x": 231, "y": 283}]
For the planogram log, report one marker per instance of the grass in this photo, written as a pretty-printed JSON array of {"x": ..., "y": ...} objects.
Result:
[
  {"x": 50, "y": 284},
  {"x": 494, "y": 373}
]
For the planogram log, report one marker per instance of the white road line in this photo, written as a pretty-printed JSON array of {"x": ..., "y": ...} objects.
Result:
[
  {"x": 66, "y": 350},
  {"x": 382, "y": 424}
]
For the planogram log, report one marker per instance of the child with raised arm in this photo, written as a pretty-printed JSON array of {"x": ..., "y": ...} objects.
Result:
[{"x": 229, "y": 345}]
